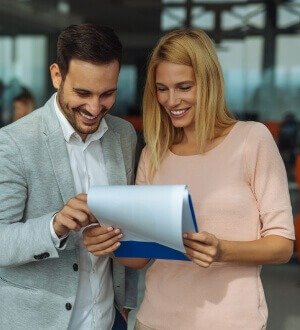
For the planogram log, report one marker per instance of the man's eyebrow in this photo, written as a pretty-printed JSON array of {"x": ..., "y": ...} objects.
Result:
[
  {"x": 81, "y": 90},
  {"x": 111, "y": 90}
]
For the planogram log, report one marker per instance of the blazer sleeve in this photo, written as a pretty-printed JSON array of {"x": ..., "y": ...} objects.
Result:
[
  {"x": 131, "y": 275},
  {"x": 21, "y": 240},
  {"x": 142, "y": 170}
]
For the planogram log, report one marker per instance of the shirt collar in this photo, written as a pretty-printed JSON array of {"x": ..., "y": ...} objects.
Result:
[{"x": 69, "y": 131}]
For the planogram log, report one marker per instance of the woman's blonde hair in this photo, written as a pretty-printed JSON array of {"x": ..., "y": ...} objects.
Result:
[{"x": 193, "y": 48}]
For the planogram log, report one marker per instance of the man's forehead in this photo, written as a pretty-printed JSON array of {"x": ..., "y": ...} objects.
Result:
[
  {"x": 93, "y": 77},
  {"x": 80, "y": 65}
]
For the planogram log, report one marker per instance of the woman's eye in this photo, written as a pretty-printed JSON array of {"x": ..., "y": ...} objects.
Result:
[
  {"x": 161, "y": 89},
  {"x": 185, "y": 88}
]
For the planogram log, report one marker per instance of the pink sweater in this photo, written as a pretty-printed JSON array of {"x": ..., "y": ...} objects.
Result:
[{"x": 240, "y": 192}]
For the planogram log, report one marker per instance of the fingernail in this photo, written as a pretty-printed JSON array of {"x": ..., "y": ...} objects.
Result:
[
  {"x": 117, "y": 231},
  {"x": 118, "y": 244},
  {"x": 184, "y": 235},
  {"x": 110, "y": 229},
  {"x": 120, "y": 236}
]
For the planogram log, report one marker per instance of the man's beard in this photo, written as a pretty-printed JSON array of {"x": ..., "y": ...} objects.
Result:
[{"x": 70, "y": 114}]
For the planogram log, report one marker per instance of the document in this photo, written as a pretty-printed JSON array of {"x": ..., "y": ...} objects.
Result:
[{"x": 151, "y": 217}]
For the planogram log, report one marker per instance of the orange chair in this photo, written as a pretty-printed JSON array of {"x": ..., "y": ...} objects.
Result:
[
  {"x": 136, "y": 122},
  {"x": 297, "y": 170},
  {"x": 274, "y": 128},
  {"x": 297, "y": 232}
]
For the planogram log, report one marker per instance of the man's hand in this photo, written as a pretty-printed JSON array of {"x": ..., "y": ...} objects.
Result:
[
  {"x": 101, "y": 240},
  {"x": 202, "y": 248},
  {"x": 73, "y": 216}
]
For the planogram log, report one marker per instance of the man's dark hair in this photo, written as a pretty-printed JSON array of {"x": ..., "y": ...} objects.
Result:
[{"x": 89, "y": 43}]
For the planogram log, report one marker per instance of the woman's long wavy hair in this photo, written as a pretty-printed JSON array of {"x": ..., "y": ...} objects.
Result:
[{"x": 194, "y": 48}]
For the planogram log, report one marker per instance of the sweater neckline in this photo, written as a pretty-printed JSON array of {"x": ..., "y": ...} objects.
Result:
[{"x": 213, "y": 150}]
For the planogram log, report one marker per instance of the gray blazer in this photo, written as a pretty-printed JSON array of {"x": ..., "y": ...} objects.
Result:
[{"x": 37, "y": 280}]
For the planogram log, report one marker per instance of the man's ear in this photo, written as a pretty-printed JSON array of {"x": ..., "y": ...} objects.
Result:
[{"x": 55, "y": 75}]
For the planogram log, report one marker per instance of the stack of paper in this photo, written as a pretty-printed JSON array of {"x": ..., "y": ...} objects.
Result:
[{"x": 152, "y": 218}]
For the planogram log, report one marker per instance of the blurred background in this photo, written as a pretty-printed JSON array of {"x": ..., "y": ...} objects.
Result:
[{"x": 258, "y": 44}]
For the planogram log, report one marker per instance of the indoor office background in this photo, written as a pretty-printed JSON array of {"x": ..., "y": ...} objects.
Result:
[{"x": 258, "y": 44}]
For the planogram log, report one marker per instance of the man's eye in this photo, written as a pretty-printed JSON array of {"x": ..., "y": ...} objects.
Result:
[
  {"x": 82, "y": 94},
  {"x": 108, "y": 94}
]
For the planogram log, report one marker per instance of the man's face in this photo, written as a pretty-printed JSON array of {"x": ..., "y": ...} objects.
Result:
[{"x": 86, "y": 94}]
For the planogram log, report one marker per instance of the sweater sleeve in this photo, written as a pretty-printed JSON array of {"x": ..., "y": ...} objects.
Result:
[
  {"x": 141, "y": 176},
  {"x": 268, "y": 180}
]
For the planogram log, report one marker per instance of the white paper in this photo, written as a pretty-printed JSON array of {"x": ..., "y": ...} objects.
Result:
[{"x": 151, "y": 213}]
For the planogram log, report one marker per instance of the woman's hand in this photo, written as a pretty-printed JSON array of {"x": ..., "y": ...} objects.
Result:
[
  {"x": 101, "y": 240},
  {"x": 202, "y": 248}
]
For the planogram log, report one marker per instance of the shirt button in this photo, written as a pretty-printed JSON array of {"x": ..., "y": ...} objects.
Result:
[
  {"x": 68, "y": 306},
  {"x": 75, "y": 268}
]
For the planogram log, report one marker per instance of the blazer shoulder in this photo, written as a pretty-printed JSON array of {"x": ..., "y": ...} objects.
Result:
[
  {"x": 26, "y": 128},
  {"x": 117, "y": 123},
  {"x": 120, "y": 126}
]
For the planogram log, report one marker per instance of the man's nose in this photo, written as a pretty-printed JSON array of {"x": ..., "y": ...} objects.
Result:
[{"x": 94, "y": 106}]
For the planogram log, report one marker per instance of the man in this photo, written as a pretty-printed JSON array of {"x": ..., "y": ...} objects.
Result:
[{"x": 48, "y": 161}]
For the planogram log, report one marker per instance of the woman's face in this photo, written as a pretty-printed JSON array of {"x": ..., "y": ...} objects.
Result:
[{"x": 176, "y": 92}]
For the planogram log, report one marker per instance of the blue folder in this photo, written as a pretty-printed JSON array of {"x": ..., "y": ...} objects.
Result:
[{"x": 153, "y": 250}]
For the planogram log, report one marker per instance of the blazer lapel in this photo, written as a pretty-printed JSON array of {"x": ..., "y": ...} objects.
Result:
[
  {"x": 56, "y": 145},
  {"x": 113, "y": 158}
]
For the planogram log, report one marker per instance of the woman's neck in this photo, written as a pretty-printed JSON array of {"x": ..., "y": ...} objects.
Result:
[{"x": 188, "y": 145}]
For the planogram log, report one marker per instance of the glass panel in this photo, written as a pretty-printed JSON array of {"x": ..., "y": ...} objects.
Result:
[
  {"x": 287, "y": 74},
  {"x": 241, "y": 64},
  {"x": 202, "y": 19},
  {"x": 172, "y": 18},
  {"x": 126, "y": 96},
  {"x": 288, "y": 14},
  {"x": 22, "y": 65},
  {"x": 242, "y": 15}
]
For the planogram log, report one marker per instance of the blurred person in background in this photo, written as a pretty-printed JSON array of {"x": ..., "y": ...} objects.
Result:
[
  {"x": 23, "y": 104},
  {"x": 239, "y": 188}
]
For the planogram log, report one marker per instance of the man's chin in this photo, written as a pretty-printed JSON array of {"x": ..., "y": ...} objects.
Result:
[{"x": 85, "y": 129}]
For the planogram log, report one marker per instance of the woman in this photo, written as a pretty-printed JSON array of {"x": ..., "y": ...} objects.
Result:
[{"x": 238, "y": 184}]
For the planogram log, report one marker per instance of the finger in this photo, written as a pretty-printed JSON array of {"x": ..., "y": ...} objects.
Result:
[
  {"x": 195, "y": 245},
  {"x": 202, "y": 237},
  {"x": 92, "y": 240},
  {"x": 211, "y": 250},
  {"x": 103, "y": 245},
  {"x": 69, "y": 223},
  {"x": 82, "y": 197},
  {"x": 100, "y": 230},
  {"x": 93, "y": 219},
  {"x": 196, "y": 255},
  {"x": 80, "y": 217},
  {"x": 201, "y": 263},
  {"x": 107, "y": 251},
  {"x": 78, "y": 204}
]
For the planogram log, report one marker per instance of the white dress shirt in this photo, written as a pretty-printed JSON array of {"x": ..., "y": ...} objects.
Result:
[{"x": 94, "y": 303}]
